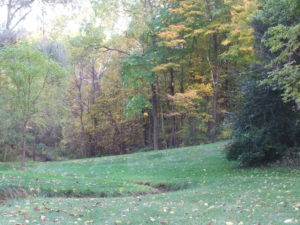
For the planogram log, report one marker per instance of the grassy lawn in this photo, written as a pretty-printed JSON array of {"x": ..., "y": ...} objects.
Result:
[{"x": 194, "y": 185}]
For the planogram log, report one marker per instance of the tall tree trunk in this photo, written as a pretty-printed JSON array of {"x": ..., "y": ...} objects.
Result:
[
  {"x": 181, "y": 79},
  {"x": 146, "y": 131},
  {"x": 34, "y": 153},
  {"x": 154, "y": 117},
  {"x": 164, "y": 143},
  {"x": 8, "y": 16},
  {"x": 5, "y": 155},
  {"x": 216, "y": 72},
  {"x": 95, "y": 88},
  {"x": 173, "y": 141},
  {"x": 119, "y": 142},
  {"x": 23, "y": 157},
  {"x": 23, "y": 147},
  {"x": 216, "y": 78},
  {"x": 215, "y": 112},
  {"x": 78, "y": 84}
]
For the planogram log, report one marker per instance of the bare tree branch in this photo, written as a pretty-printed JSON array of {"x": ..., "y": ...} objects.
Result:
[
  {"x": 20, "y": 20},
  {"x": 107, "y": 49}
]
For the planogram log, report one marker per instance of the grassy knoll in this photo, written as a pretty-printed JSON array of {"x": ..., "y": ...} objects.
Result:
[{"x": 194, "y": 185}]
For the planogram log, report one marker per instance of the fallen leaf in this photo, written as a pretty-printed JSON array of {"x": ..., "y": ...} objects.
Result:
[
  {"x": 290, "y": 221},
  {"x": 229, "y": 223}
]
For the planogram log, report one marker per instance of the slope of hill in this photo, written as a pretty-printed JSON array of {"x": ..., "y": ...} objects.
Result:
[{"x": 193, "y": 185}]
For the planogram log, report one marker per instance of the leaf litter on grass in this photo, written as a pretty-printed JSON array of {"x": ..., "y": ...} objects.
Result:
[{"x": 209, "y": 191}]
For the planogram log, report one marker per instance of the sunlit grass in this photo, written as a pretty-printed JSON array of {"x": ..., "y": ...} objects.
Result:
[{"x": 203, "y": 188}]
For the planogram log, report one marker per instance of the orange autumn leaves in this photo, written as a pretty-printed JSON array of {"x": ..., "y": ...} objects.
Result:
[{"x": 173, "y": 35}]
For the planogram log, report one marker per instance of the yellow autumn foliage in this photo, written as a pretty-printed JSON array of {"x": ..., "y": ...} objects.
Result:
[
  {"x": 186, "y": 5},
  {"x": 186, "y": 97},
  {"x": 210, "y": 32},
  {"x": 164, "y": 67},
  {"x": 196, "y": 91},
  {"x": 198, "y": 77},
  {"x": 198, "y": 31},
  {"x": 194, "y": 13},
  {"x": 204, "y": 89},
  {"x": 246, "y": 49},
  {"x": 178, "y": 28},
  {"x": 226, "y": 42},
  {"x": 176, "y": 11},
  {"x": 168, "y": 35},
  {"x": 173, "y": 31},
  {"x": 175, "y": 43}
]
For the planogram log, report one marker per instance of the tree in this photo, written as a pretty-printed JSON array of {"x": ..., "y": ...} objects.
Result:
[
  {"x": 16, "y": 11},
  {"x": 138, "y": 77},
  {"x": 138, "y": 67},
  {"x": 217, "y": 38},
  {"x": 281, "y": 38},
  {"x": 265, "y": 127},
  {"x": 27, "y": 75}
]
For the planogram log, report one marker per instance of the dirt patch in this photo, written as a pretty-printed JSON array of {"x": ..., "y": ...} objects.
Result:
[
  {"x": 16, "y": 192},
  {"x": 161, "y": 187},
  {"x": 164, "y": 188}
]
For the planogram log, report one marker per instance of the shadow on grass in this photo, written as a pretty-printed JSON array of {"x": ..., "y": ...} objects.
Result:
[{"x": 16, "y": 192}]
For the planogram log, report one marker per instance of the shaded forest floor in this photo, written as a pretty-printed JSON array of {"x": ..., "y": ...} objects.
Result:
[{"x": 193, "y": 185}]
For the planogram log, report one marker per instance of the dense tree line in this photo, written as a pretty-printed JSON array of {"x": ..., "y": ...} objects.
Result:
[
  {"x": 266, "y": 127},
  {"x": 184, "y": 72}
]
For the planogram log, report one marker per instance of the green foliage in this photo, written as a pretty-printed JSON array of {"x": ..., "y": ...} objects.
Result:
[
  {"x": 169, "y": 80},
  {"x": 136, "y": 105},
  {"x": 136, "y": 70},
  {"x": 27, "y": 77},
  {"x": 137, "y": 75},
  {"x": 264, "y": 127},
  {"x": 26, "y": 72},
  {"x": 87, "y": 44},
  {"x": 282, "y": 39}
]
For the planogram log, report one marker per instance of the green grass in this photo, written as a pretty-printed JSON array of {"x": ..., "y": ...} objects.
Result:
[{"x": 200, "y": 187}]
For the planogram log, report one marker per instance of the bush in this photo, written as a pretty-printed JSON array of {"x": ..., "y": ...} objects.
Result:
[{"x": 264, "y": 127}]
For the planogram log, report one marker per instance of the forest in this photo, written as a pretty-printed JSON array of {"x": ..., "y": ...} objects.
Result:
[
  {"x": 114, "y": 77},
  {"x": 179, "y": 112}
]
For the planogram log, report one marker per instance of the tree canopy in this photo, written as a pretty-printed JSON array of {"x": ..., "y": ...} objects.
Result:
[{"x": 150, "y": 74}]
